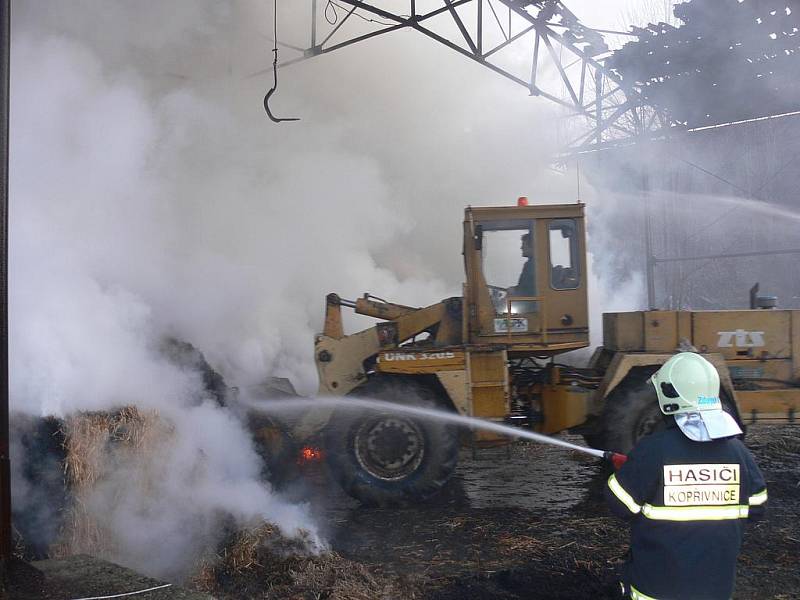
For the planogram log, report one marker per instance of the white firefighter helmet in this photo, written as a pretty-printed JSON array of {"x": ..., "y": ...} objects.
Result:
[{"x": 687, "y": 386}]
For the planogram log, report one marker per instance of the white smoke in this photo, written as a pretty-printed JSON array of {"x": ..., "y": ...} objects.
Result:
[
  {"x": 166, "y": 508},
  {"x": 104, "y": 265},
  {"x": 226, "y": 229}
]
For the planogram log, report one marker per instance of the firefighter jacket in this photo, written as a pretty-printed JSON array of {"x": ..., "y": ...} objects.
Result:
[{"x": 686, "y": 502}]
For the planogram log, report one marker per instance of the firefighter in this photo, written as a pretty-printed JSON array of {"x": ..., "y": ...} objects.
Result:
[{"x": 686, "y": 491}]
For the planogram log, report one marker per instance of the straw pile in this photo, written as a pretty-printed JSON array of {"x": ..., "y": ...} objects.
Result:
[
  {"x": 96, "y": 445},
  {"x": 260, "y": 563}
]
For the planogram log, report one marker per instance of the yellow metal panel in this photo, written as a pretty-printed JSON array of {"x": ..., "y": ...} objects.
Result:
[
  {"x": 465, "y": 310},
  {"x": 489, "y": 402},
  {"x": 796, "y": 345},
  {"x": 333, "y": 319},
  {"x": 540, "y": 211},
  {"x": 488, "y": 380},
  {"x": 755, "y": 405},
  {"x": 409, "y": 363},
  {"x": 487, "y": 367},
  {"x": 343, "y": 369},
  {"x": 416, "y": 321},
  {"x": 623, "y": 331},
  {"x": 660, "y": 331},
  {"x": 563, "y": 407},
  {"x": 761, "y": 369},
  {"x": 556, "y": 343},
  {"x": 743, "y": 333},
  {"x": 455, "y": 383}
]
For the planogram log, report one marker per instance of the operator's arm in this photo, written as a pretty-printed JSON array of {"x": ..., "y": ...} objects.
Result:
[
  {"x": 757, "y": 488},
  {"x": 630, "y": 487}
]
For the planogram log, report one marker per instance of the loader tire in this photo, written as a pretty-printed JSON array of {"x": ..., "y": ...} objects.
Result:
[
  {"x": 390, "y": 459},
  {"x": 631, "y": 411}
]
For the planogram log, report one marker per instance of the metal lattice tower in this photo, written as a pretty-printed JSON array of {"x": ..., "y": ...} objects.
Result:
[{"x": 602, "y": 109}]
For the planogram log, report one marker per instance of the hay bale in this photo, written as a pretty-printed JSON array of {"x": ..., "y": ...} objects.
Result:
[
  {"x": 259, "y": 562},
  {"x": 86, "y": 437},
  {"x": 96, "y": 444}
]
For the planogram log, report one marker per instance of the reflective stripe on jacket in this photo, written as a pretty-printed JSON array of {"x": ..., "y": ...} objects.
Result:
[{"x": 686, "y": 502}]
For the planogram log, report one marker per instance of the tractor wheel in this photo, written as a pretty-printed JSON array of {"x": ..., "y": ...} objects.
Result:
[
  {"x": 389, "y": 459},
  {"x": 631, "y": 411},
  {"x": 593, "y": 438}
]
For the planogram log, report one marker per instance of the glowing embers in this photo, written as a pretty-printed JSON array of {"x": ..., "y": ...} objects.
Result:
[{"x": 309, "y": 454}]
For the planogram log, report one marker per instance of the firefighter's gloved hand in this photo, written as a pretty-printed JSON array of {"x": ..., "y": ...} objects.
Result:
[{"x": 615, "y": 458}]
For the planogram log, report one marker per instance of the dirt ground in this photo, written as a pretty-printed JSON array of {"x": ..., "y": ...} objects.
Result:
[
  {"x": 84, "y": 577},
  {"x": 529, "y": 522},
  {"x": 526, "y": 521}
]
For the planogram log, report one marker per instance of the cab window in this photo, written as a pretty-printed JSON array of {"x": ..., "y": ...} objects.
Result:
[
  {"x": 509, "y": 266},
  {"x": 564, "y": 264}
]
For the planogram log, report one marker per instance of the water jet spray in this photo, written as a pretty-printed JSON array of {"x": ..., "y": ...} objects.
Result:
[{"x": 375, "y": 405}]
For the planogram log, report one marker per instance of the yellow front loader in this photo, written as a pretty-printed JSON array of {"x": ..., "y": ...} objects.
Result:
[{"x": 491, "y": 353}]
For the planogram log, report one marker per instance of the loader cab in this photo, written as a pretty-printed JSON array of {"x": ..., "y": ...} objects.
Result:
[{"x": 526, "y": 278}]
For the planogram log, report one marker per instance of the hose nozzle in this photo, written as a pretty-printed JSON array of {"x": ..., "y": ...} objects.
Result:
[{"x": 615, "y": 458}]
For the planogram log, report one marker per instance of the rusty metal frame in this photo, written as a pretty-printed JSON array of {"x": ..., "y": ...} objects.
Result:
[{"x": 602, "y": 110}]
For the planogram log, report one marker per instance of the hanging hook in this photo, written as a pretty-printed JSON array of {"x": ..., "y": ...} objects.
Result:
[{"x": 274, "y": 87}]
